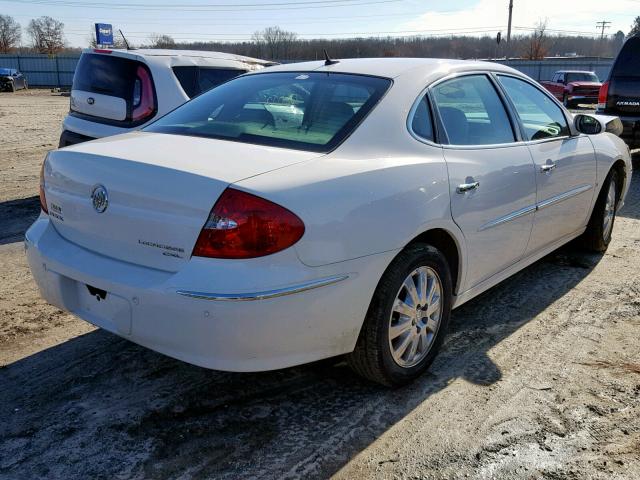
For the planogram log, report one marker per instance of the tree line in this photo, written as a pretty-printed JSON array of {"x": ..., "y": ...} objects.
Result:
[{"x": 46, "y": 35}]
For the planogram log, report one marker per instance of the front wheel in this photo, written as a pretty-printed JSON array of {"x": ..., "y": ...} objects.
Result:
[
  {"x": 598, "y": 233},
  {"x": 565, "y": 101},
  {"x": 407, "y": 319}
]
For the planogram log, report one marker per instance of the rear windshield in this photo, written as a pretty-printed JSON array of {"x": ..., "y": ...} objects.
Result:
[
  {"x": 195, "y": 80},
  {"x": 580, "y": 77},
  {"x": 105, "y": 74},
  {"x": 304, "y": 111},
  {"x": 628, "y": 61}
]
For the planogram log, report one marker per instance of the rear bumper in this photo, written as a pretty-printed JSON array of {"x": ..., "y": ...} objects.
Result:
[
  {"x": 212, "y": 326},
  {"x": 631, "y": 128},
  {"x": 71, "y": 138}
]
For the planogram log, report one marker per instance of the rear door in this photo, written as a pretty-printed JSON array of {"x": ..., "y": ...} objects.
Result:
[
  {"x": 491, "y": 177},
  {"x": 112, "y": 89},
  {"x": 565, "y": 165},
  {"x": 624, "y": 81}
]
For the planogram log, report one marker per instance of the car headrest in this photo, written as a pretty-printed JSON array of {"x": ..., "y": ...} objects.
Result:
[{"x": 456, "y": 125}]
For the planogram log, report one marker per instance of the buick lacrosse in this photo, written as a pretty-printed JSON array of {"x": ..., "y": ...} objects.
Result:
[{"x": 318, "y": 209}]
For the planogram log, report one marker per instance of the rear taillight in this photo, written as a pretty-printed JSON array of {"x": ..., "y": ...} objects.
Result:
[
  {"x": 242, "y": 225},
  {"x": 144, "y": 103},
  {"x": 43, "y": 198},
  {"x": 602, "y": 95}
]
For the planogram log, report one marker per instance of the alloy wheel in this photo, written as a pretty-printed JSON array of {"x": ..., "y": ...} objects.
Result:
[{"x": 415, "y": 317}]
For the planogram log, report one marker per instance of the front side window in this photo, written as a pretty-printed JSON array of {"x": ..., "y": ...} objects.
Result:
[
  {"x": 300, "y": 110},
  {"x": 541, "y": 117},
  {"x": 472, "y": 112}
]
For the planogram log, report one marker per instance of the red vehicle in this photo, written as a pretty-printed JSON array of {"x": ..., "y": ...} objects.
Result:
[{"x": 573, "y": 87}]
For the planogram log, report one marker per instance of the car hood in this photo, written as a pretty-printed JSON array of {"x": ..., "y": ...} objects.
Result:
[{"x": 585, "y": 84}]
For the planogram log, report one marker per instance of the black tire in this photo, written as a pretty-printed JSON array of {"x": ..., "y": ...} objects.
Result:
[
  {"x": 566, "y": 102},
  {"x": 372, "y": 356},
  {"x": 595, "y": 238},
  {"x": 12, "y": 87}
]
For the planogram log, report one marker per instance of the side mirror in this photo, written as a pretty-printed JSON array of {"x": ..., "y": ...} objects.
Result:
[{"x": 587, "y": 124}]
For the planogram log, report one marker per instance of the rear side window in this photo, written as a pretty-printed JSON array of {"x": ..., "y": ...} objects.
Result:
[
  {"x": 106, "y": 74},
  {"x": 472, "y": 112},
  {"x": 421, "y": 123},
  {"x": 195, "y": 80},
  {"x": 628, "y": 61},
  {"x": 541, "y": 117},
  {"x": 299, "y": 110}
]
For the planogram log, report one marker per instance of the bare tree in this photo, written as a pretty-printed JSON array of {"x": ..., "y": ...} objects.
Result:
[
  {"x": 635, "y": 28},
  {"x": 274, "y": 43},
  {"x": 10, "y": 33},
  {"x": 47, "y": 34},
  {"x": 537, "y": 48},
  {"x": 162, "y": 41}
]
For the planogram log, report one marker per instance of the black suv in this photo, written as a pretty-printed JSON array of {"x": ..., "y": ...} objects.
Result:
[{"x": 620, "y": 94}]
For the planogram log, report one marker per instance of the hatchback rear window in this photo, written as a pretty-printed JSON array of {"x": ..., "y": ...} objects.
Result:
[
  {"x": 105, "y": 74},
  {"x": 195, "y": 80},
  {"x": 628, "y": 61},
  {"x": 306, "y": 111}
]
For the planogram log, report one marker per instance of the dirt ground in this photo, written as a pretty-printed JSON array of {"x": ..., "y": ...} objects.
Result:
[{"x": 539, "y": 377}]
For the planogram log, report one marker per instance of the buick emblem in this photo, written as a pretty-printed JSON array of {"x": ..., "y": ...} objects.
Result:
[
  {"x": 90, "y": 100},
  {"x": 99, "y": 199}
]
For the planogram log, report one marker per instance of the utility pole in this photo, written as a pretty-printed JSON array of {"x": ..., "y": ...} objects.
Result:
[
  {"x": 602, "y": 25},
  {"x": 508, "y": 49}
]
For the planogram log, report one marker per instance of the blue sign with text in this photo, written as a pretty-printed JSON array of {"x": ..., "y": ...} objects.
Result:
[{"x": 104, "y": 34}]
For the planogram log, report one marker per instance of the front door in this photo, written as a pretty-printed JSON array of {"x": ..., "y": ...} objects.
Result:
[
  {"x": 491, "y": 176},
  {"x": 564, "y": 164}
]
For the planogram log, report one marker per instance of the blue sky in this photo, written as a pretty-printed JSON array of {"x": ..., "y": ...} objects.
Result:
[{"x": 235, "y": 20}]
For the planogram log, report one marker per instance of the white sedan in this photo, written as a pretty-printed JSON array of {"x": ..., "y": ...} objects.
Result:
[{"x": 318, "y": 209}]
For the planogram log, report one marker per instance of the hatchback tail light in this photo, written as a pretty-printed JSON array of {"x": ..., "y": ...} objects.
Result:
[
  {"x": 43, "y": 198},
  {"x": 144, "y": 102},
  {"x": 602, "y": 95},
  {"x": 242, "y": 225}
]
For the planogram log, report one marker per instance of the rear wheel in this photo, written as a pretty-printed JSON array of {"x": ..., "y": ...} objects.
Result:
[
  {"x": 407, "y": 319},
  {"x": 12, "y": 87},
  {"x": 598, "y": 234}
]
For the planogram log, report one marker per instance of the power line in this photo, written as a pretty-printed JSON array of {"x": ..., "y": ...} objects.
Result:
[{"x": 209, "y": 8}]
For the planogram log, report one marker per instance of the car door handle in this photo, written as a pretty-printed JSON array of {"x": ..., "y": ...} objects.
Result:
[
  {"x": 466, "y": 187},
  {"x": 548, "y": 167}
]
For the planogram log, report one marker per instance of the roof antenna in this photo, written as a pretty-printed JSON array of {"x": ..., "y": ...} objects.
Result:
[
  {"x": 125, "y": 40},
  {"x": 327, "y": 60}
]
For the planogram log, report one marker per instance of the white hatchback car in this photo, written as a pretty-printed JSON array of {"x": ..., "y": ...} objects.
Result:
[
  {"x": 319, "y": 209},
  {"x": 115, "y": 91}
]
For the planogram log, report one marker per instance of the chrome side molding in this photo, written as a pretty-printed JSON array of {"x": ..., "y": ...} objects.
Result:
[
  {"x": 279, "y": 292},
  {"x": 532, "y": 208},
  {"x": 564, "y": 196}
]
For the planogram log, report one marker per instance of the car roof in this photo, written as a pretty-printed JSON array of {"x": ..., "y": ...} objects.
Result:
[
  {"x": 393, "y": 67},
  {"x": 159, "y": 52}
]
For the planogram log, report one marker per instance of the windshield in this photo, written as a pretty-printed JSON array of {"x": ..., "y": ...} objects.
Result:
[
  {"x": 306, "y": 111},
  {"x": 5, "y": 71},
  {"x": 581, "y": 77}
]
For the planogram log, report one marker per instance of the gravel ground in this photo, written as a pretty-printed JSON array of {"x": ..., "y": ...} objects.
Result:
[{"x": 539, "y": 377}]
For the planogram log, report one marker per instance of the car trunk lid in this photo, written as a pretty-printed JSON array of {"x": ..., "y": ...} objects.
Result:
[{"x": 159, "y": 188}]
